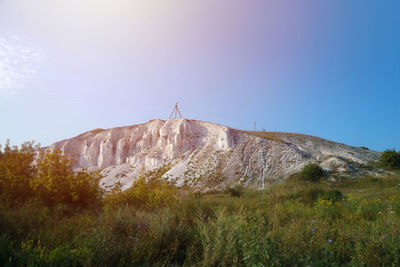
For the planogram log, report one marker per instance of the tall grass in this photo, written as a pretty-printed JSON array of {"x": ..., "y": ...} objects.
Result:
[{"x": 296, "y": 223}]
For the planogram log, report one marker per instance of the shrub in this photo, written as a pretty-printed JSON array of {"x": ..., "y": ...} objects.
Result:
[
  {"x": 390, "y": 159},
  {"x": 332, "y": 195},
  {"x": 55, "y": 182},
  {"x": 16, "y": 172},
  {"x": 307, "y": 195},
  {"x": 311, "y": 172},
  {"x": 143, "y": 194},
  {"x": 236, "y": 191},
  {"x": 5, "y": 250},
  {"x": 50, "y": 179},
  {"x": 150, "y": 191}
]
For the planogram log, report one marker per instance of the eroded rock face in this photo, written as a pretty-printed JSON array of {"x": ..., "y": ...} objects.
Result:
[{"x": 205, "y": 155}]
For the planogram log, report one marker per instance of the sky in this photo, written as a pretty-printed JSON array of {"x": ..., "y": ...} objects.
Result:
[{"x": 325, "y": 68}]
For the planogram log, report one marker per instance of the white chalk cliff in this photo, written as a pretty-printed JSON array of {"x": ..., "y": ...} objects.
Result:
[{"x": 205, "y": 155}]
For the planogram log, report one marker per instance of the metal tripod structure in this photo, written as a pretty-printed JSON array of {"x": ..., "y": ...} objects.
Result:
[{"x": 176, "y": 111}]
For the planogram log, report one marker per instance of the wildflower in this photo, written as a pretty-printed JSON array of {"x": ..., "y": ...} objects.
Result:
[
  {"x": 313, "y": 230},
  {"x": 330, "y": 240},
  {"x": 313, "y": 221},
  {"x": 383, "y": 236}
]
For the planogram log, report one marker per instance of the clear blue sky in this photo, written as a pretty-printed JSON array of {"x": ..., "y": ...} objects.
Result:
[{"x": 325, "y": 68}]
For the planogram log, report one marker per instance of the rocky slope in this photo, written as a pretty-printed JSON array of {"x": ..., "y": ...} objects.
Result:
[{"x": 205, "y": 155}]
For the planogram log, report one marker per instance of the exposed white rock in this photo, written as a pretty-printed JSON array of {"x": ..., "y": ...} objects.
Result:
[{"x": 205, "y": 155}]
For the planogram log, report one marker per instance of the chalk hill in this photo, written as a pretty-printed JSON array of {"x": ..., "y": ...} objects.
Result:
[{"x": 207, "y": 156}]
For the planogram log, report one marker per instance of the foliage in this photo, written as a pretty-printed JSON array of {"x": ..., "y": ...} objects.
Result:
[
  {"x": 311, "y": 173},
  {"x": 236, "y": 239},
  {"x": 16, "y": 171},
  {"x": 332, "y": 195},
  {"x": 272, "y": 228},
  {"x": 390, "y": 159},
  {"x": 218, "y": 231},
  {"x": 27, "y": 173},
  {"x": 56, "y": 183},
  {"x": 149, "y": 191},
  {"x": 235, "y": 191},
  {"x": 306, "y": 195}
]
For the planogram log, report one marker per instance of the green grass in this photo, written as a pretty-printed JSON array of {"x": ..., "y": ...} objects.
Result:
[{"x": 289, "y": 224}]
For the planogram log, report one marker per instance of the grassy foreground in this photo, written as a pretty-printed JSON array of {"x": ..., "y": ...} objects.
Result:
[{"x": 296, "y": 223}]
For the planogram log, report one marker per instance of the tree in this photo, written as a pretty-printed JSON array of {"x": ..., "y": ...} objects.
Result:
[
  {"x": 390, "y": 159},
  {"x": 17, "y": 170},
  {"x": 56, "y": 182}
]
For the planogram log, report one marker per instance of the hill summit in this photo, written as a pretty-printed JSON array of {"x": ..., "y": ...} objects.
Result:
[{"x": 205, "y": 155}]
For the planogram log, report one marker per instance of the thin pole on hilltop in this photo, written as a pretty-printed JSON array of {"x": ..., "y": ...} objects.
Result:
[{"x": 176, "y": 111}]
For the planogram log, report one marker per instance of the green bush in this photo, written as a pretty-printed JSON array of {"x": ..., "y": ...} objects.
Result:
[
  {"x": 311, "y": 173},
  {"x": 51, "y": 179},
  {"x": 5, "y": 250},
  {"x": 307, "y": 195},
  {"x": 150, "y": 191},
  {"x": 56, "y": 183},
  {"x": 390, "y": 159},
  {"x": 234, "y": 191},
  {"x": 16, "y": 172},
  {"x": 332, "y": 195}
]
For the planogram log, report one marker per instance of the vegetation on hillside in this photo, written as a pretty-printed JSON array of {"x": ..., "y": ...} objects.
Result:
[
  {"x": 390, "y": 159},
  {"x": 52, "y": 216},
  {"x": 311, "y": 173},
  {"x": 148, "y": 192},
  {"x": 48, "y": 177}
]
